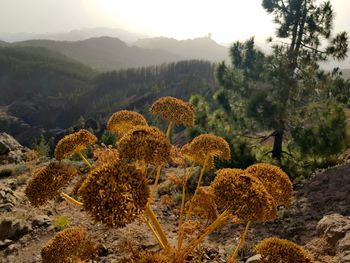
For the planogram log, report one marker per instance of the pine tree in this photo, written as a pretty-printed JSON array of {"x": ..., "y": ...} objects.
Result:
[{"x": 275, "y": 85}]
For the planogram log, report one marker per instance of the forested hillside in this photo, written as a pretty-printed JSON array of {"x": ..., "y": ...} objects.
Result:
[{"x": 45, "y": 92}]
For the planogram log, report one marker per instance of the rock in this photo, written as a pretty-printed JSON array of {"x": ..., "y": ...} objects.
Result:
[
  {"x": 254, "y": 259},
  {"x": 12, "y": 228},
  {"x": 8, "y": 199},
  {"x": 344, "y": 258},
  {"x": 41, "y": 220},
  {"x": 11, "y": 151},
  {"x": 11, "y": 249},
  {"x": 344, "y": 248},
  {"x": 344, "y": 244},
  {"x": 102, "y": 250},
  {"x": 4, "y": 244},
  {"x": 333, "y": 227}
]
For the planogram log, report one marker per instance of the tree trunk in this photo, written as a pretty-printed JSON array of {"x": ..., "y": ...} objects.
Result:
[{"x": 277, "y": 145}]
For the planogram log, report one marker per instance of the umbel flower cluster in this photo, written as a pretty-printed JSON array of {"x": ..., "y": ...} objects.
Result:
[{"x": 117, "y": 192}]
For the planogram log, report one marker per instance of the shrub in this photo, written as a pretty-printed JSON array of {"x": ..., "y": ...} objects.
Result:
[
  {"x": 6, "y": 172},
  {"x": 61, "y": 222}
]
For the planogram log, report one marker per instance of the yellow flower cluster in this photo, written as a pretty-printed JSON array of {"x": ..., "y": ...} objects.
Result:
[
  {"x": 276, "y": 182},
  {"x": 74, "y": 143},
  {"x": 115, "y": 194},
  {"x": 145, "y": 143},
  {"x": 48, "y": 182},
  {"x": 147, "y": 257},
  {"x": 173, "y": 110},
  {"x": 204, "y": 203},
  {"x": 122, "y": 121},
  {"x": 205, "y": 147},
  {"x": 243, "y": 195},
  {"x": 69, "y": 245},
  {"x": 276, "y": 250}
]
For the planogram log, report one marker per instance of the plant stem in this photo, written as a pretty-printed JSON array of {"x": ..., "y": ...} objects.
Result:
[
  {"x": 71, "y": 199},
  {"x": 192, "y": 245},
  {"x": 233, "y": 257},
  {"x": 180, "y": 234},
  {"x": 154, "y": 185},
  {"x": 168, "y": 130},
  {"x": 84, "y": 159},
  {"x": 189, "y": 211},
  {"x": 150, "y": 214},
  {"x": 154, "y": 232},
  {"x": 144, "y": 168}
]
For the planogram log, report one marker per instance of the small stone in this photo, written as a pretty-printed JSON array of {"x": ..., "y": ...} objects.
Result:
[
  {"x": 344, "y": 258},
  {"x": 254, "y": 259},
  {"x": 5, "y": 243},
  {"x": 11, "y": 249},
  {"x": 344, "y": 244},
  {"x": 41, "y": 220}
]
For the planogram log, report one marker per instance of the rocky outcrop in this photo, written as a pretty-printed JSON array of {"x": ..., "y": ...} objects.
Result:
[
  {"x": 11, "y": 151},
  {"x": 335, "y": 229},
  {"x": 8, "y": 199}
]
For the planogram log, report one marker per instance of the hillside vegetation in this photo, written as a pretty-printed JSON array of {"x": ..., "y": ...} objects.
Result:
[{"x": 48, "y": 92}]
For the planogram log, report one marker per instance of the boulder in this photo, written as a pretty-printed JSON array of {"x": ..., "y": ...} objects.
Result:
[
  {"x": 41, "y": 220},
  {"x": 335, "y": 228},
  {"x": 11, "y": 151},
  {"x": 14, "y": 229},
  {"x": 8, "y": 199},
  {"x": 344, "y": 248}
]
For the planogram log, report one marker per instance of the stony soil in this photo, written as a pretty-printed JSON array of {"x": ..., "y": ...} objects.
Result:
[{"x": 324, "y": 193}]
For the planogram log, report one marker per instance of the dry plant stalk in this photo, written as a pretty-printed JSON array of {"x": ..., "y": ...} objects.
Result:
[{"x": 116, "y": 192}]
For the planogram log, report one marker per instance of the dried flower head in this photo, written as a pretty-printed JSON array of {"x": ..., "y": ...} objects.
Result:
[
  {"x": 206, "y": 147},
  {"x": 122, "y": 121},
  {"x": 175, "y": 179},
  {"x": 204, "y": 203},
  {"x": 276, "y": 250},
  {"x": 146, "y": 257},
  {"x": 48, "y": 182},
  {"x": 74, "y": 143},
  {"x": 145, "y": 143},
  {"x": 243, "y": 195},
  {"x": 115, "y": 194},
  {"x": 70, "y": 245},
  {"x": 173, "y": 110},
  {"x": 105, "y": 155},
  {"x": 176, "y": 157},
  {"x": 276, "y": 182}
]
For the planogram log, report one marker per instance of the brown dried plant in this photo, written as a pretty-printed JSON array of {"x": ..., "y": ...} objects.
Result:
[
  {"x": 48, "y": 182},
  {"x": 173, "y": 110},
  {"x": 276, "y": 182},
  {"x": 116, "y": 192},
  {"x": 276, "y": 250},
  {"x": 105, "y": 155},
  {"x": 144, "y": 143},
  {"x": 122, "y": 121},
  {"x": 67, "y": 246},
  {"x": 74, "y": 143}
]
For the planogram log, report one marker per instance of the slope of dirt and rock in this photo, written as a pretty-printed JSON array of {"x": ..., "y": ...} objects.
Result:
[{"x": 318, "y": 219}]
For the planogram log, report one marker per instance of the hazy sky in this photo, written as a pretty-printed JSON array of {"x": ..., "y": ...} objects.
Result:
[{"x": 226, "y": 20}]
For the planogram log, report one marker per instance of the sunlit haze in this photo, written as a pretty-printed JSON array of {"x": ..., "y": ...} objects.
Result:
[{"x": 226, "y": 20}]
